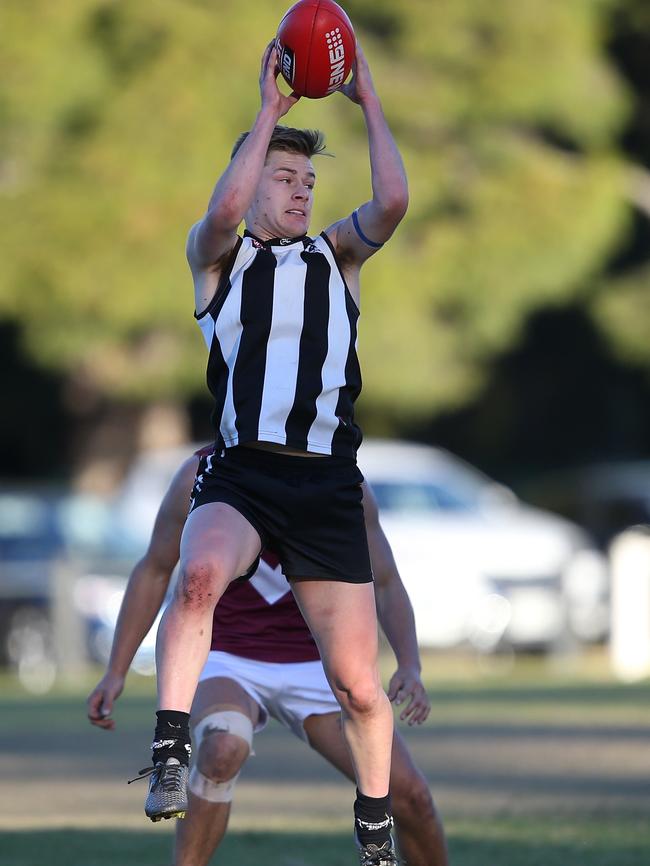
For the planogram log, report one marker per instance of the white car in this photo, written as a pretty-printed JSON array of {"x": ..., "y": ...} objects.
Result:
[{"x": 480, "y": 567}]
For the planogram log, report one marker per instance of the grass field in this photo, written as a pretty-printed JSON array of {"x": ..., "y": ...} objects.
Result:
[
  {"x": 615, "y": 842},
  {"x": 539, "y": 764}
]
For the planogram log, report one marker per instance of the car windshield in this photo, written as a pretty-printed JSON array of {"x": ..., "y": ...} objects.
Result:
[
  {"x": 27, "y": 528},
  {"x": 418, "y": 497}
]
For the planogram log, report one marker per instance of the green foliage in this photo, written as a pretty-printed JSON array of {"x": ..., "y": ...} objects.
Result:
[
  {"x": 117, "y": 118},
  {"x": 622, "y": 311}
]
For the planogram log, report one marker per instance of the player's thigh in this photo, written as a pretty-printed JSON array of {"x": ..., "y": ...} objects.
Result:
[
  {"x": 217, "y": 532},
  {"x": 221, "y": 694},
  {"x": 325, "y": 736},
  {"x": 342, "y": 618}
]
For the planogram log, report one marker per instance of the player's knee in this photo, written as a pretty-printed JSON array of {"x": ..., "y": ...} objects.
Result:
[
  {"x": 200, "y": 583},
  {"x": 223, "y": 741},
  {"x": 221, "y": 756},
  {"x": 362, "y": 697},
  {"x": 410, "y": 798}
]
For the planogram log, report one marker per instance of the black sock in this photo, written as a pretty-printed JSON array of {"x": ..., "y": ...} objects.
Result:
[
  {"x": 372, "y": 819},
  {"x": 172, "y": 736}
]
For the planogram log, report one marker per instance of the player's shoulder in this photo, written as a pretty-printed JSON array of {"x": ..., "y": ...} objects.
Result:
[
  {"x": 208, "y": 250},
  {"x": 326, "y": 241},
  {"x": 189, "y": 466},
  {"x": 190, "y": 243},
  {"x": 333, "y": 238},
  {"x": 351, "y": 242},
  {"x": 203, "y": 451}
]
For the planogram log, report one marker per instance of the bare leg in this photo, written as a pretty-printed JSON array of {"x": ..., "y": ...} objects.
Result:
[
  {"x": 217, "y": 545},
  {"x": 343, "y": 621},
  {"x": 201, "y": 831},
  {"x": 220, "y": 757},
  {"x": 419, "y": 829}
]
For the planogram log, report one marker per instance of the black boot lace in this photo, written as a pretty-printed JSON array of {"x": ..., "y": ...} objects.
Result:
[
  {"x": 169, "y": 777},
  {"x": 373, "y": 855}
]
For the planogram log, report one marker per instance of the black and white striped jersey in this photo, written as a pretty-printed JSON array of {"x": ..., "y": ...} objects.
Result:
[{"x": 281, "y": 333}]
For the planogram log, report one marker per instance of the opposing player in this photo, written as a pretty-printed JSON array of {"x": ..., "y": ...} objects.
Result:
[
  {"x": 279, "y": 314},
  {"x": 264, "y": 661}
]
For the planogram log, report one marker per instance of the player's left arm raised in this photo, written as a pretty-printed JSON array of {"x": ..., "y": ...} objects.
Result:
[
  {"x": 361, "y": 234},
  {"x": 395, "y": 615}
]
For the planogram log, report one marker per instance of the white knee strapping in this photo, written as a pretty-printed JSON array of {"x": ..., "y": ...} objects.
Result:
[
  {"x": 226, "y": 722},
  {"x": 206, "y": 789}
]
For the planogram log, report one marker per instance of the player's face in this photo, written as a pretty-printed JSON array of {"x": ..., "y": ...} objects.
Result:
[{"x": 284, "y": 196}]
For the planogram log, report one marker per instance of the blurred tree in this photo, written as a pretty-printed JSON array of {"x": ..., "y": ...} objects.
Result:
[
  {"x": 558, "y": 399},
  {"x": 621, "y": 305},
  {"x": 116, "y": 118}
]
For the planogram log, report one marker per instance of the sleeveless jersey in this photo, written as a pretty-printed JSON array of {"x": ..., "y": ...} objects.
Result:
[
  {"x": 259, "y": 619},
  {"x": 281, "y": 333}
]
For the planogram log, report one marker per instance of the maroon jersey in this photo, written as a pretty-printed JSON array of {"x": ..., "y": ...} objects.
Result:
[{"x": 259, "y": 619}]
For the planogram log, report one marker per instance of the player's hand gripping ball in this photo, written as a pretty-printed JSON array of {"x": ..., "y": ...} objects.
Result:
[{"x": 316, "y": 45}]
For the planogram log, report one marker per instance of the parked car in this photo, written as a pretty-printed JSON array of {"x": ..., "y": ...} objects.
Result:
[
  {"x": 104, "y": 555},
  {"x": 603, "y": 498},
  {"x": 52, "y": 610},
  {"x": 480, "y": 566},
  {"x": 30, "y": 541}
]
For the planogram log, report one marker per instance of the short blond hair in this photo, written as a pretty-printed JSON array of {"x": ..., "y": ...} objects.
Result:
[{"x": 307, "y": 142}]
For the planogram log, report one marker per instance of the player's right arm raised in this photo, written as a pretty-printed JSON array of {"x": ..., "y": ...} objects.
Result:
[
  {"x": 214, "y": 236},
  {"x": 144, "y": 594}
]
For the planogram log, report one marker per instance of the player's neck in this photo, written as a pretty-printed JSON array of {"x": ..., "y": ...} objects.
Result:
[{"x": 270, "y": 233}]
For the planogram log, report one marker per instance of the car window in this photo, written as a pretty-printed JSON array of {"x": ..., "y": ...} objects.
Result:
[
  {"x": 417, "y": 496},
  {"x": 27, "y": 528}
]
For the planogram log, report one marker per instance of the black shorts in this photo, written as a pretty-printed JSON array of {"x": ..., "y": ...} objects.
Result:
[{"x": 308, "y": 510}]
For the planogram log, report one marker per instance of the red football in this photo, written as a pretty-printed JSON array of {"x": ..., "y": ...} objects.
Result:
[{"x": 315, "y": 44}]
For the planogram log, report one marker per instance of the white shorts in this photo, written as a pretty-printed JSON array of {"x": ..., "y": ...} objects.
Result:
[{"x": 290, "y": 692}]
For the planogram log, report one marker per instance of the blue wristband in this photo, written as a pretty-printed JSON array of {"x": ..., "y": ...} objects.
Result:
[{"x": 355, "y": 222}]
